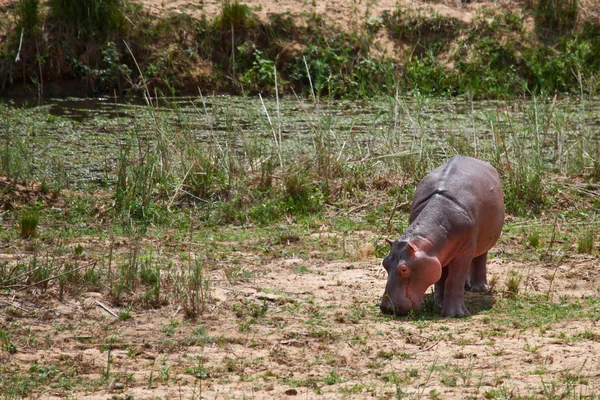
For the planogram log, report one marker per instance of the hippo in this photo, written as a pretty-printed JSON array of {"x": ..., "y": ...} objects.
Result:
[{"x": 456, "y": 217}]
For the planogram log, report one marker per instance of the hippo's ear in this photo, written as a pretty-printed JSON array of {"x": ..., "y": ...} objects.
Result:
[
  {"x": 390, "y": 242},
  {"x": 412, "y": 249}
]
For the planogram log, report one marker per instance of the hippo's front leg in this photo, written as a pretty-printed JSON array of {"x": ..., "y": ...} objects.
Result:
[
  {"x": 454, "y": 293},
  {"x": 439, "y": 287}
]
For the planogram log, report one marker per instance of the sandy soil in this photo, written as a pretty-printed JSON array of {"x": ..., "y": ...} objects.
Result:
[
  {"x": 320, "y": 335},
  {"x": 352, "y": 12}
]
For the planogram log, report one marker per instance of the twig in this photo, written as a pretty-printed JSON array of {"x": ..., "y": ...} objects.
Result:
[
  {"x": 273, "y": 130},
  {"x": 179, "y": 188},
  {"x": 176, "y": 312},
  {"x": 20, "y": 44},
  {"x": 48, "y": 279},
  {"x": 278, "y": 111},
  {"x": 312, "y": 90},
  {"x": 107, "y": 309},
  {"x": 551, "y": 243},
  {"x": 149, "y": 97},
  {"x": 396, "y": 205},
  {"x": 427, "y": 348},
  {"x": 189, "y": 194}
]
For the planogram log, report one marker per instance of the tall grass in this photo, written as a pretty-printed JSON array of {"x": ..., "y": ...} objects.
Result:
[
  {"x": 91, "y": 17},
  {"x": 29, "y": 16},
  {"x": 555, "y": 17}
]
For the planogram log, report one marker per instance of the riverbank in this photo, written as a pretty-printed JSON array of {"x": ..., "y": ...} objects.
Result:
[{"x": 358, "y": 49}]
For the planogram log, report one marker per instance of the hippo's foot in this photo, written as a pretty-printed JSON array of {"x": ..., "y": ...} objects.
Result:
[
  {"x": 476, "y": 286},
  {"x": 454, "y": 310},
  {"x": 468, "y": 285},
  {"x": 479, "y": 287}
]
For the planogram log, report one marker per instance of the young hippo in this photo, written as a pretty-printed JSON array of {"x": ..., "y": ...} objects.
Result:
[{"x": 456, "y": 217}]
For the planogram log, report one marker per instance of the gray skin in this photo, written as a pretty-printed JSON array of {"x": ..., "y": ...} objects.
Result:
[{"x": 456, "y": 217}]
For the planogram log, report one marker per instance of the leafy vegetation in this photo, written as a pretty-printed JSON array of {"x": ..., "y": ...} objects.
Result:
[{"x": 493, "y": 56}]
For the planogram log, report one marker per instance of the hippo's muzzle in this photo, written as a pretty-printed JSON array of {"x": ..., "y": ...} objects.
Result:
[{"x": 398, "y": 308}]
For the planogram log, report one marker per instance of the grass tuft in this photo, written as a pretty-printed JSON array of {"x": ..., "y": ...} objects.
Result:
[
  {"x": 235, "y": 15},
  {"x": 512, "y": 283},
  {"x": 28, "y": 223},
  {"x": 585, "y": 244}
]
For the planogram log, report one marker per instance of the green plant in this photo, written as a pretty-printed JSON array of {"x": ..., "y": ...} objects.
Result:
[
  {"x": 111, "y": 74},
  {"x": 261, "y": 75},
  {"x": 29, "y": 220},
  {"x": 193, "y": 289},
  {"x": 5, "y": 342},
  {"x": 125, "y": 313},
  {"x": 554, "y": 17},
  {"x": 29, "y": 16},
  {"x": 585, "y": 244},
  {"x": 150, "y": 276},
  {"x": 303, "y": 196},
  {"x": 234, "y": 15},
  {"x": 513, "y": 282},
  {"x": 333, "y": 378},
  {"x": 533, "y": 239},
  {"x": 92, "y": 17}
]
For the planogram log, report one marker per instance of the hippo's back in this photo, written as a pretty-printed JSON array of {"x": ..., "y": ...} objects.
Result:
[{"x": 472, "y": 185}]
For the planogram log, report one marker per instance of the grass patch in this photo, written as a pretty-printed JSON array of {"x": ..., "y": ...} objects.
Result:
[
  {"x": 29, "y": 220},
  {"x": 527, "y": 311}
]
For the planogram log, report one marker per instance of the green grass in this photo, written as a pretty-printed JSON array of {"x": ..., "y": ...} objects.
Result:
[
  {"x": 29, "y": 220},
  {"x": 29, "y": 15},
  {"x": 527, "y": 310},
  {"x": 92, "y": 17},
  {"x": 585, "y": 243}
]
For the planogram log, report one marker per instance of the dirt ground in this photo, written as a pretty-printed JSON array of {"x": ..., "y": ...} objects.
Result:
[
  {"x": 308, "y": 327},
  {"x": 349, "y": 13}
]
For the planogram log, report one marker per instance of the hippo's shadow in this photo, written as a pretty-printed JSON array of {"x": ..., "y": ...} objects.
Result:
[{"x": 476, "y": 302}]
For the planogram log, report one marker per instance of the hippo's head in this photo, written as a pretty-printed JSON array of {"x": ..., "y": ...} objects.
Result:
[{"x": 410, "y": 272}]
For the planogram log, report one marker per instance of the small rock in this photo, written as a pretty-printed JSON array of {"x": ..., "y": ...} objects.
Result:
[
  {"x": 291, "y": 392},
  {"x": 268, "y": 296}
]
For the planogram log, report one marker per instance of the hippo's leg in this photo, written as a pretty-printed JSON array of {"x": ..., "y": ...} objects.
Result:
[
  {"x": 454, "y": 290},
  {"x": 438, "y": 292},
  {"x": 478, "y": 274},
  {"x": 468, "y": 279}
]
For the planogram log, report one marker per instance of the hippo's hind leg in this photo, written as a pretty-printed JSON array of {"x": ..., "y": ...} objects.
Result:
[
  {"x": 438, "y": 292},
  {"x": 477, "y": 278}
]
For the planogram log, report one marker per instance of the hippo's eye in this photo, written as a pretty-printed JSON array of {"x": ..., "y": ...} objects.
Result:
[{"x": 402, "y": 270}]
